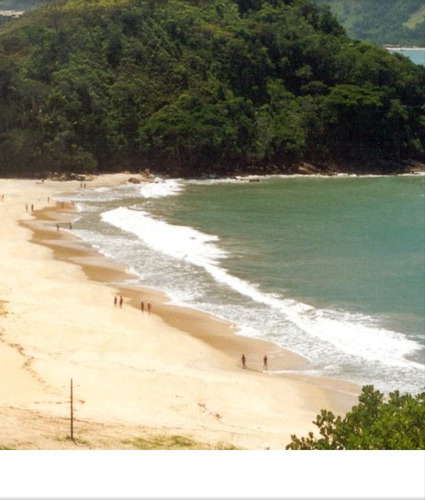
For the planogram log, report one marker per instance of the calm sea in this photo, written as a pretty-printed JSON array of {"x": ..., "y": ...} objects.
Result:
[
  {"x": 332, "y": 268},
  {"x": 417, "y": 55}
]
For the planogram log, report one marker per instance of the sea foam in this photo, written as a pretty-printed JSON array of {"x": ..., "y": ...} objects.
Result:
[{"x": 353, "y": 335}]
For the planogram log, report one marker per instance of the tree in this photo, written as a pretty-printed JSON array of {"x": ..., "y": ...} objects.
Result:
[
  {"x": 397, "y": 423},
  {"x": 191, "y": 87}
]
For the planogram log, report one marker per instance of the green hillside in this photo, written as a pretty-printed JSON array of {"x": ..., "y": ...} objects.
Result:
[
  {"x": 383, "y": 22},
  {"x": 416, "y": 18},
  {"x": 189, "y": 87}
]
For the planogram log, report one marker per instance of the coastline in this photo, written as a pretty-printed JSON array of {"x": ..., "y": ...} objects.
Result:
[
  {"x": 176, "y": 371},
  {"x": 402, "y": 47}
]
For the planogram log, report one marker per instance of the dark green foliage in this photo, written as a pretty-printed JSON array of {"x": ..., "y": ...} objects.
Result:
[
  {"x": 199, "y": 86},
  {"x": 397, "y": 423}
]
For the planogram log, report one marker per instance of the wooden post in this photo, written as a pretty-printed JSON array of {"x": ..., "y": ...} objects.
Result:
[{"x": 72, "y": 412}]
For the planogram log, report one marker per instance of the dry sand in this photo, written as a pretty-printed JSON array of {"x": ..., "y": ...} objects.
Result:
[{"x": 173, "y": 372}]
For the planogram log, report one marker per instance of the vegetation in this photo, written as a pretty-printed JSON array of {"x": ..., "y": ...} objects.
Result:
[
  {"x": 200, "y": 86},
  {"x": 374, "y": 424},
  {"x": 174, "y": 442},
  {"x": 384, "y": 22}
]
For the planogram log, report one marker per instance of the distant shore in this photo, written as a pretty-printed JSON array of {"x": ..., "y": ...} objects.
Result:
[
  {"x": 174, "y": 372},
  {"x": 402, "y": 47}
]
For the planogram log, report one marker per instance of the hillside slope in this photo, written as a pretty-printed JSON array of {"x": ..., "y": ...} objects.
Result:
[
  {"x": 392, "y": 22},
  {"x": 194, "y": 87}
]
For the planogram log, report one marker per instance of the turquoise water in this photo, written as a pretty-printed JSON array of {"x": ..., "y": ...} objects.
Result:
[
  {"x": 417, "y": 55},
  {"x": 339, "y": 243},
  {"x": 331, "y": 268}
]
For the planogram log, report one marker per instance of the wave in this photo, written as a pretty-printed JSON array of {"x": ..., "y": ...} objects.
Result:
[
  {"x": 161, "y": 188},
  {"x": 187, "y": 243},
  {"x": 354, "y": 335}
]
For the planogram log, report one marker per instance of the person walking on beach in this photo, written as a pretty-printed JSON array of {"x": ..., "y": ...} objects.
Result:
[
  {"x": 142, "y": 306},
  {"x": 149, "y": 307},
  {"x": 243, "y": 359},
  {"x": 57, "y": 227},
  {"x": 115, "y": 301},
  {"x": 265, "y": 363},
  {"x": 121, "y": 301}
]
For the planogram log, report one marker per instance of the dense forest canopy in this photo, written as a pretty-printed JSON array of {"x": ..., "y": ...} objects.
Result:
[
  {"x": 189, "y": 87},
  {"x": 383, "y": 22}
]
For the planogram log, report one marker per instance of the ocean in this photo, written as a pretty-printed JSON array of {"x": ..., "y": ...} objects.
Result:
[
  {"x": 332, "y": 268},
  {"x": 415, "y": 54}
]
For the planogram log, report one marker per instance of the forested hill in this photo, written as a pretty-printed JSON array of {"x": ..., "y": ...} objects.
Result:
[
  {"x": 207, "y": 86},
  {"x": 383, "y": 22}
]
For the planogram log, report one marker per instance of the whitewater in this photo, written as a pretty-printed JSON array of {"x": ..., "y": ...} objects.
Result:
[{"x": 137, "y": 225}]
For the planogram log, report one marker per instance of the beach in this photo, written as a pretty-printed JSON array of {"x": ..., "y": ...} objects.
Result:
[{"x": 174, "y": 372}]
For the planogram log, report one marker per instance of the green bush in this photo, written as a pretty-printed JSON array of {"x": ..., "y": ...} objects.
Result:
[{"x": 376, "y": 423}]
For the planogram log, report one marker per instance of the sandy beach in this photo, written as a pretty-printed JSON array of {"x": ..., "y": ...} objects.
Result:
[{"x": 174, "y": 372}]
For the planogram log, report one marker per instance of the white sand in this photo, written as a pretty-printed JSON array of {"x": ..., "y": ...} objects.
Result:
[{"x": 174, "y": 372}]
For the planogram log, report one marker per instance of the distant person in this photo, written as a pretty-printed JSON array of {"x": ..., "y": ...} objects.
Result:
[
  {"x": 32, "y": 208},
  {"x": 243, "y": 359},
  {"x": 265, "y": 363},
  {"x": 115, "y": 301},
  {"x": 149, "y": 307},
  {"x": 121, "y": 301},
  {"x": 57, "y": 227},
  {"x": 26, "y": 207},
  {"x": 70, "y": 225},
  {"x": 142, "y": 306}
]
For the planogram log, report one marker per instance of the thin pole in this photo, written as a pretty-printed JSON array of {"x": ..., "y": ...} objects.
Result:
[{"x": 72, "y": 412}]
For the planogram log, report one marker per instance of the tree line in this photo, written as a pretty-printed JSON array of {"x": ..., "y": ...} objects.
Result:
[{"x": 200, "y": 86}]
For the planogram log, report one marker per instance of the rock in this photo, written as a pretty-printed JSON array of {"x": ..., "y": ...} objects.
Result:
[{"x": 308, "y": 169}]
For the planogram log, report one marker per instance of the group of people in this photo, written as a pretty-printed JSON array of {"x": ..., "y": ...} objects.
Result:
[
  {"x": 148, "y": 307},
  {"x": 119, "y": 302},
  {"x": 265, "y": 361},
  {"x": 58, "y": 226}
]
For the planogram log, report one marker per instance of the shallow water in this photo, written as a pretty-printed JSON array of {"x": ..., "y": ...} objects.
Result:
[{"x": 332, "y": 268}]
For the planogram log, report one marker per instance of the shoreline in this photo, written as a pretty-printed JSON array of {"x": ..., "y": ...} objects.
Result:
[
  {"x": 402, "y": 47},
  {"x": 217, "y": 332},
  {"x": 203, "y": 370}
]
